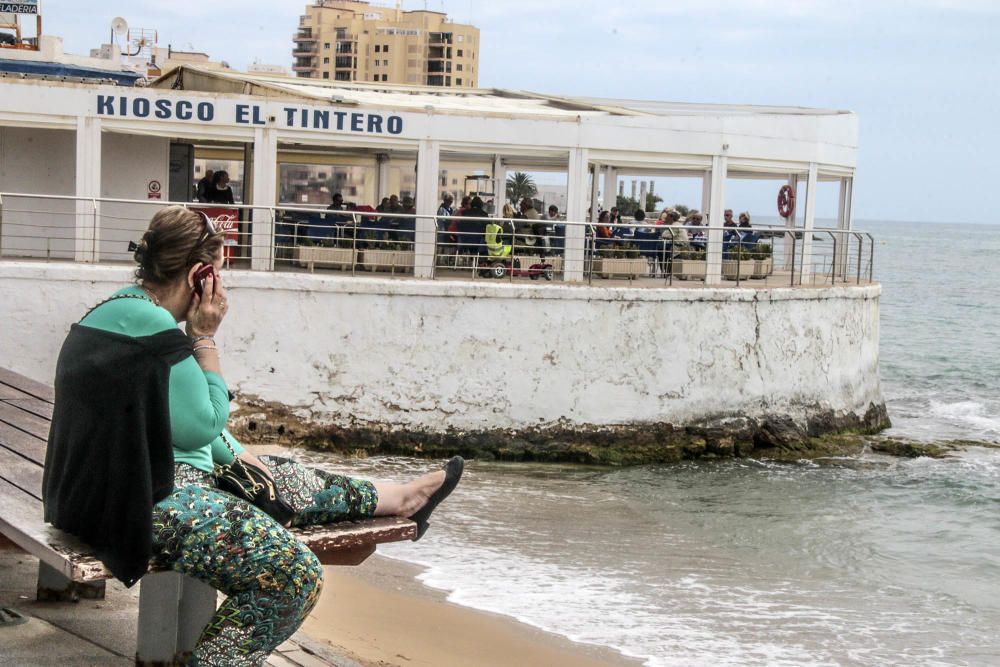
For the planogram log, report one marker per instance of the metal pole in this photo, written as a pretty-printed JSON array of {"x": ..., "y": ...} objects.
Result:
[
  {"x": 860, "y": 247},
  {"x": 871, "y": 258},
  {"x": 793, "y": 257}
]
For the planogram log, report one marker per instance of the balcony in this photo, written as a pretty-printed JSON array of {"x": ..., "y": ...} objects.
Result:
[
  {"x": 300, "y": 50},
  {"x": 438, "y": 67},
  {"x": 343, "y": 62},
  {"x": 439, "y": 37},
  {"x": 343, "y": 76},
  {"x": 435, "y": 80},
  {"x": 346, "y": 47},
  {"x": 438, "y": 53},
  {"x": 304, "y": 35},
  {"x": 302, "y": 68}
]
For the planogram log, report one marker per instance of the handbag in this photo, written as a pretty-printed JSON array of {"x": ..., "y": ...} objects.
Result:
[{"x": 248, "y": 482}]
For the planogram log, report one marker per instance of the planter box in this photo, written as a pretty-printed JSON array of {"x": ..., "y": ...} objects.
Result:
[
  {"x": 313, "y": 256},
  {"x": 748, "y": 268},
  {"x": 633, "y": 267},
  {"x": 387, "y": 260},
  {"x": 689, "y": 269}
]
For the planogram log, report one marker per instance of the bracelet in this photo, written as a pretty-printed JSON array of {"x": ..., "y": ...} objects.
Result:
[
  {"x": 205, "y": 347},
  {"x": 198, "y": 338}
]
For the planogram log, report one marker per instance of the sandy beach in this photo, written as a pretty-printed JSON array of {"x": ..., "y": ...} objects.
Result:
[{"x": 380, "y": 615}]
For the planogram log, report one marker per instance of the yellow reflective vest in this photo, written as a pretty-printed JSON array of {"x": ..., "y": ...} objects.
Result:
[{"x": 494, "y": 241}]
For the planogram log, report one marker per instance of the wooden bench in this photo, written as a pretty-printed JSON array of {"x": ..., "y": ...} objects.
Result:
[{"x": 173, "y": 608}]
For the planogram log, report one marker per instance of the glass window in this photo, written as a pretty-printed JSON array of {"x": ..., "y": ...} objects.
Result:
[
  {"x": 377, "y": 48},
  {"x": 326, "y": 75},
  {"x": 316, "y": 184},
  {"x": 233, "y": 167},
  {"x": 460, "y": 53},
  {"x": 385, "y": 48},
  {"x": 385, "y": 77},
  {"x": 458, "y": 82}
]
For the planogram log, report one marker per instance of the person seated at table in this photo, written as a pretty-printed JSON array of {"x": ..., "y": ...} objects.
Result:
[
  {"x": 744, "y": 220},
  {"x": 138, "y": 428},
  {"x": 696, "y": 237},
  {"x": 497, "y": 238},
  {"x": 627, "y": 233},
  {"x": 728, "y": 218}
]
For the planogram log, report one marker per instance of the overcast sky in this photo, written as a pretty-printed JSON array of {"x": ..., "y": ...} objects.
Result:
[{"x": 922, "y": 74}]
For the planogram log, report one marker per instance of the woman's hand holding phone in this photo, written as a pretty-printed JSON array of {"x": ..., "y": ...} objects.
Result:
[{"x": 208, "y": 302}]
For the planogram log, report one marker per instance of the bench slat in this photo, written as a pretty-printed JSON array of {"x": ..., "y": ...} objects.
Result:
[
  {"x": 25, "y": 421},
  {"x": 26, "y": 402},
  {"x": 27, "y": 385},
  {"x": 20, "y": 472},
  {"x": 21, "y": 521},
  {"x": 25, "y": 444}
]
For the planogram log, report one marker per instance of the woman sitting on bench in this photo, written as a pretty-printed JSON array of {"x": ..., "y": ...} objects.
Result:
[{"x": 138, "y": 429}]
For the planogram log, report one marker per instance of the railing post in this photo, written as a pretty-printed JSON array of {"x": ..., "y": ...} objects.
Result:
[
  {"x": 792, "y": 272},
  {"x": 861, "y": 245}
]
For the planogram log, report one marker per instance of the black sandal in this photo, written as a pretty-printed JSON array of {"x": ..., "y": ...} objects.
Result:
[{"x": 452, "y": 473}]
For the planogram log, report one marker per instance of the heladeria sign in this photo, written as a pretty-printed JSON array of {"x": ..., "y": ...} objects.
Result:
[
  {"x": 297, "y": 117},
  {"x": 23, "y": 7}
]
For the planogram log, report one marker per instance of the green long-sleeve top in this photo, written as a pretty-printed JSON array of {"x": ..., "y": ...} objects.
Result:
[{"x": 199, "y": 400}]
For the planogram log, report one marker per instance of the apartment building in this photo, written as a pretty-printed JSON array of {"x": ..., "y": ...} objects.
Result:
[{"x": 349, "y": 40}]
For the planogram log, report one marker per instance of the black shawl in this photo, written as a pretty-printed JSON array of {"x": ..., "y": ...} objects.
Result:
[{"x": 109, "y": 458}]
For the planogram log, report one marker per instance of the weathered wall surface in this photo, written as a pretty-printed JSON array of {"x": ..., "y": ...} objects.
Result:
[
  {"x": 440, "y": 356},
  {"x": 34, "y": 161}
]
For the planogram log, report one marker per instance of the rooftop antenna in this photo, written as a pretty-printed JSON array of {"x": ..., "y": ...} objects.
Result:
[{"x": 119, "y": 32}]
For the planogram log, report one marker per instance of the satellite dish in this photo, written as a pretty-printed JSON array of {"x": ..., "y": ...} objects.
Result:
[{"x": 119, "y": 26}]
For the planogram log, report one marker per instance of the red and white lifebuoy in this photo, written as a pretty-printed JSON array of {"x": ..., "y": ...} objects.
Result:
[{"x": 786, "y": 201}]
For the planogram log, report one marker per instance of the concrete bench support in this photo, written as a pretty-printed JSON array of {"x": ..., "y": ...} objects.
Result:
[
  {"x": 173, "y": 610},
  {"x": 54, "y": 586}
]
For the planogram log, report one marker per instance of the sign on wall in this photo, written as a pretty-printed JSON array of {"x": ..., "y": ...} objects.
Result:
[
  {"x": 22, "y": 7},
  {"x": 297, "y": 117}
]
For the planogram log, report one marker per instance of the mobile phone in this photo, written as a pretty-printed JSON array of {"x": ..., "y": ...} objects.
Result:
[{"x": 199, "y": 278}]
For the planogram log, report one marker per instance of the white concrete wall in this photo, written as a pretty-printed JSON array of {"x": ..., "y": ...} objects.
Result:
[
  {"x": 44, "y": 162},
  {"x": 37, "y": 161},
  {"x": 128, "y": 164},
  {"x": 445, "y": 355}
]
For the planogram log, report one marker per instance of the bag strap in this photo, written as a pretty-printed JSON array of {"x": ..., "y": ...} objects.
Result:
[{"x": 115, "y": 298}]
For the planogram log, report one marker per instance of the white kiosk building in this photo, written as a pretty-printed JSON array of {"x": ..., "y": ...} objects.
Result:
[{"x": 83, "y": 166}]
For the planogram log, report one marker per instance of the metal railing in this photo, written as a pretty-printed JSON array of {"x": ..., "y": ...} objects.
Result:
[{"x": 367, "y": 242}]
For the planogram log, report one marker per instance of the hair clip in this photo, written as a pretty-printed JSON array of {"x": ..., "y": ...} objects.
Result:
[{"x": 132, "y": 246}]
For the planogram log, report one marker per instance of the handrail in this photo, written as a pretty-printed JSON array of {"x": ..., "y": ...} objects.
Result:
[{"x": 290, "y": 227}]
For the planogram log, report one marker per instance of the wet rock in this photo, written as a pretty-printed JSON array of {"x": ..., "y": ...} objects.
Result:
[
  {"x": 910, "y": 449},
  {"x": 781, "y": 433},
  {"x": 775, "y": 436}
]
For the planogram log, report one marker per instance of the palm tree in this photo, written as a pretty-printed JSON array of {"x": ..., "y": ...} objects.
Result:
[{"x": 519, "y": 186}]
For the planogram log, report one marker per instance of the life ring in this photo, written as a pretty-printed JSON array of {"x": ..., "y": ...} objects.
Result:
[{"x": 786, "y": 201}]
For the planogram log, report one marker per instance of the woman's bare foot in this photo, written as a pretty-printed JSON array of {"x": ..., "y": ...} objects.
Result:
[{"x": 405, "y": 499}]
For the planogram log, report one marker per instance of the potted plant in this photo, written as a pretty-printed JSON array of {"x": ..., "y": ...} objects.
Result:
[
  {"x": 689, "y": 265},
  {"x": 389, "y": 256},
  {"x": 763, "y": 262},
  {"x": 333, "y": 253},
  {"x": 623, "y": 260}
]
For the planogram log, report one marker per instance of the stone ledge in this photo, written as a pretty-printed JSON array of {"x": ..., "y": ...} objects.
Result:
[{"x": 775, "y": 437}]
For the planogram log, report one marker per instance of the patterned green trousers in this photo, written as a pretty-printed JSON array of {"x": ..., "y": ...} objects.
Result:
[{"x": 271, "y": 579}]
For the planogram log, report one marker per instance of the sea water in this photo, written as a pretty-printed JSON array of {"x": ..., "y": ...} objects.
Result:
[{"x": 860, "y": 561}]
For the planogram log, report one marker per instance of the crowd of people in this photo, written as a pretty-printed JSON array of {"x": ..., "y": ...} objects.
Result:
[{"x": 469, "y": 228}]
